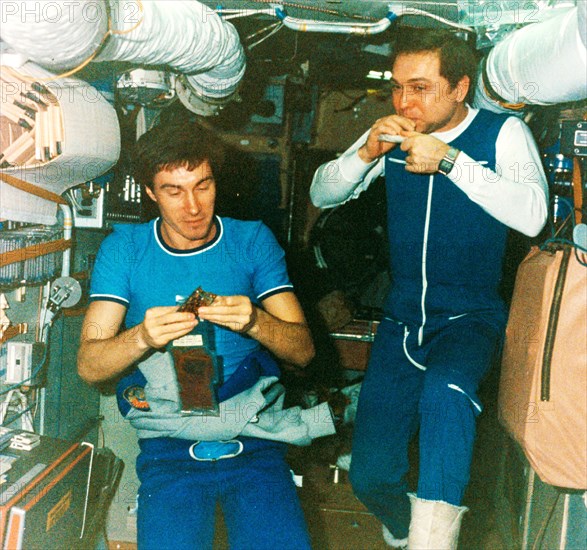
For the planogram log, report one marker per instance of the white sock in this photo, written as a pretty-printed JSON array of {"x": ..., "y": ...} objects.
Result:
[{"x": 390, "y": 540}]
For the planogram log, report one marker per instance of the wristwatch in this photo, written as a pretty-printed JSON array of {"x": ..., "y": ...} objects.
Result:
[{"x": 448, "y": 161}]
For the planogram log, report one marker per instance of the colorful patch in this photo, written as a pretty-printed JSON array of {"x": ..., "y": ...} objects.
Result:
[
  {"x": 135, "y": 396},
  {"x": 130, "y": 393}
]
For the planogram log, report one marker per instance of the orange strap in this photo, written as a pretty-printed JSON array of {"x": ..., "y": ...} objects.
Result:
[
  {"x": 577, "y": 190},
  {"x": 32, "y": 189},
  {"x": 33, "y": 251}
]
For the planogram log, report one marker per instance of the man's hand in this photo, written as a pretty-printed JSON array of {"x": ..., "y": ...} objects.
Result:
[
  {"x": 394, "y": 125},
  {"x": 234, "y": 312},
  {"x": 163, "y": 324},
  {"x": 105, "y": 352},
  {"x": 424, "y": 152},
  {"x": 278, "y": 324}
]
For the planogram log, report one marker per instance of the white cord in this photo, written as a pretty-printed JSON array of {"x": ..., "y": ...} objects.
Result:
[
  {"x": 278, "y": 28},
  {"x": 416, "y": 11},
  {"x": 261, "y": 31},
  {"x": 4, "y": 406},
  {"x": 234, "y": 14},
  {"x": 74, "y": 201},
  {"x": 44, "y": 321},
  {"x": 26, "y": 419}
]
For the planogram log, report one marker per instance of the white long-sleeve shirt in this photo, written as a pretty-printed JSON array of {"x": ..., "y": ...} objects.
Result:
[{"x": 516, "y": 193}]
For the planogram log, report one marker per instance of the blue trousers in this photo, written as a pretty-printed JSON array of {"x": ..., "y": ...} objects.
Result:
[
  {"x": 178, "y": 498},
  {"x": 432, "y": 386}
]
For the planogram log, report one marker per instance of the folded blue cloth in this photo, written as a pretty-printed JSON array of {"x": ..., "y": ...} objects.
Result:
[{"x": 253, "y": 366}]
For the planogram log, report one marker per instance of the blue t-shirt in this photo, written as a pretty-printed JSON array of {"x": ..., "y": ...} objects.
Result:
[{"x": 135, "y": 267}]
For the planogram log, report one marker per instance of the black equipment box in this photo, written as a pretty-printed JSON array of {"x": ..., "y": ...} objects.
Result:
[
  {"x": 44, "y": 497},
  {"x": 574, "y": 138}
]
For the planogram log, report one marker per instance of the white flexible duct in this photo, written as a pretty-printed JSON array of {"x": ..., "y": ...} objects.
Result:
[
  {"x": 582, "y": 24},
  {"x": 57, "y": 35},
  {"x": 184, "y": 35},
  {"x": 541, "y": 64}
]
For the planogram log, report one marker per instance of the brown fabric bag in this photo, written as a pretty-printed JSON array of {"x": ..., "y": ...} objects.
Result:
[{"x": 543, "y": 389}]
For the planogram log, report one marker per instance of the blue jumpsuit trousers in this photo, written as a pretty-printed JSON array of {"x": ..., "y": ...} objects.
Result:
[
  {"x": 179, "y": 495},
  {"x": 430, "y": 385}
]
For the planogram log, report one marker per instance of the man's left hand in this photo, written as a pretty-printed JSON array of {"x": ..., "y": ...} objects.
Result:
[
  {"x": 234, "y": 312},
  {"x": 424, "y": 152}
]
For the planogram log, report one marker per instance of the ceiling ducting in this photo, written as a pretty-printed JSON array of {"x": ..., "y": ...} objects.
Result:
[
  {"x": 198, "y": 45},
  {"x": 533, "y": 54},
  {"x": 186, "y": 37}
]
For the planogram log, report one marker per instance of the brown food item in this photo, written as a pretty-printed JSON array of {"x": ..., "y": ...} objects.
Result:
[
  {"x": 197, "y": 298},
  {"x": 195, "y": 374}
]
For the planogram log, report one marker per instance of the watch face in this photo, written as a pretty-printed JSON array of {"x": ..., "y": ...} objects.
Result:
[
  {"x": 447, "y": 163},
  {"x": 445, "y": 166}
]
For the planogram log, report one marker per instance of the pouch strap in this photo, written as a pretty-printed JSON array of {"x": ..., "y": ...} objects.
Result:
[
  {"x": 32, "y": 189},
  {"x": 577, "y": 190},
  {"x": 553, "y": 323}
]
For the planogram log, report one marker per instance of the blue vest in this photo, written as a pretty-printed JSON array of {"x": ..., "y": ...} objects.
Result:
[{"x": 460, "y": 267}]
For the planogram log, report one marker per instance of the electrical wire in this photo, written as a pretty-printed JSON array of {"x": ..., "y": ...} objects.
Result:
[
  {"x": 352, "y": 104},
  {"x": 34, "y": 373},
  {"x": 74, "y": 201},
  {"x": 39, "y": 309},
  {"x": 44, "y": 338},
  {"x": 544, "y": 526},
  {"x": 14, "y": 418},
  {"x": 559, "y": 240},
  {"x": 577, "y": 248},
  {"x": 405, "y": 11},
  {"x": 262, "y": 30},
  {"x": 35, "y": 402},
  {"x": 274, "y": 31},
  {"x": 416, "y": 11},
  {"x": 43, "y": 316},
  {"x": 18, "y": 399},
  {"x": 310, "y": 7},
  {"x": 138, "y": 24},
  {"x": 556, "y": 239},
  {"x": 236, "y": 13}
]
